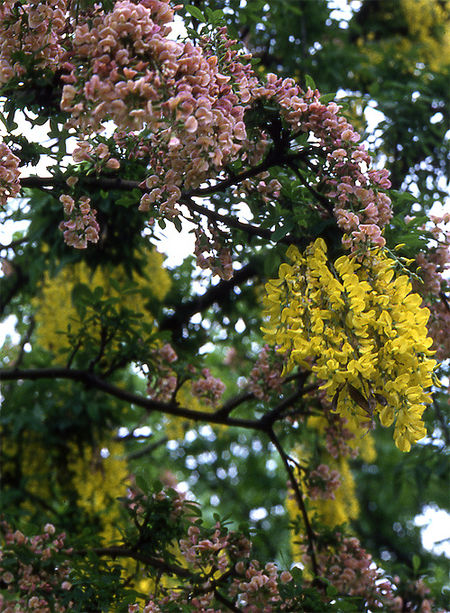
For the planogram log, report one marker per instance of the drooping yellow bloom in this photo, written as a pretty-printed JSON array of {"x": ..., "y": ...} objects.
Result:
[
  {"x": 361, "y": 330},
  {"x": 99, "y": 477},
  {"x": 422, "y": 35},
  {"x": 56, "y": 314}
]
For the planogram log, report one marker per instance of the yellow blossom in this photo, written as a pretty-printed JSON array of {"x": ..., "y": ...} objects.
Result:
[
  {"x": 56, "y": 315},
  {"x": 361, "y": 330}
]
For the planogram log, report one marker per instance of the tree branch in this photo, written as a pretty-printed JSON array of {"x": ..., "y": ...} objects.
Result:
[
  {"x": 231, "y": 222},
  {"x": 300, "y": 502},
  {"x": 146, "y": 449},
  {"x": 274, "y": 158},
  {"x": 233, "y": 403},
  {"x": 130, "y": 552},
  {"x": 214, "y": 294},
  {"x": 324, "y": 201},
  {"x": 101, "y": 182},
  {"x": 92, "y": 380}
]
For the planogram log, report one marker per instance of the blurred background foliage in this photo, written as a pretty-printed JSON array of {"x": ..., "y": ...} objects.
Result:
[{"x": 69, "y": 449}]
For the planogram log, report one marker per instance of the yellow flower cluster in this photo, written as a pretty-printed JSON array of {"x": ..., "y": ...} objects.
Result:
[
  {"x": 55, "y": 312},
  {"x": 422, "y": 35},
  {"x": 428, "y": 22},
  {"x": 100, "y": 476},
  {"x": 360, "y": 330}
]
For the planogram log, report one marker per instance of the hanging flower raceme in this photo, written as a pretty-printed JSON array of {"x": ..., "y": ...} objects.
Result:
[
  {"x": 9, "y": 174},
  {"x": 361, "y": 330}
]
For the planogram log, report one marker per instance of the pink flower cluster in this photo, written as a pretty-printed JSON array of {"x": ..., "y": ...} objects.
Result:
[
  {"x": 212, "y": 552},
  {"x": 361, "y": 208},
  {"x": 99, "y": 155},
  {"x": 162, "y": 380},
  {"x": 265, "y": 377},
  {"x": 215, "y": 554},
  {"x": 185, "y": 105},
  {"x": 36, "y": 29},
  {"x": 33, "y": 583},
  {"x": 190, "y": 107},
  {"x": 337, "y": 437},
  {"x": 268, "y": 190},
  {"x": 258, "y": 590},
  {"x": 9, "y": 174},
  {"x": 352, "y": 572},
  {"x": 211, "y": 253},
  {"x": 323, "y": 482},
  {"x": 434, "y": 267},
  {"x": 125, "y": 68},
  {"x": 82, "y": 226},
  {"x": 208, "y": 388},
  {"x": 415, "y": 598}
]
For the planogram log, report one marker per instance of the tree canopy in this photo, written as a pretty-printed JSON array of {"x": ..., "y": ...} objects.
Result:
[{"x": 256, "y": 426}]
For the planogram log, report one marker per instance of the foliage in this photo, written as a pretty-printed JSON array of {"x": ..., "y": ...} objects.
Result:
[{"x": 216, "y": 434}]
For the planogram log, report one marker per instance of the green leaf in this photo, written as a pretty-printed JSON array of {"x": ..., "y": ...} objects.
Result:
[
  {"x": 416, "y": 562},
  {"x": 309, "y": 82},
  {"x": 81, "y": 298},
  {"x": 327, "y": 98},
  {"x": 142, "y": 483},
  {"x": 282, "y": 230},
  {"x": 195, "y": 12},
  {"x": 177, "y": 223}
]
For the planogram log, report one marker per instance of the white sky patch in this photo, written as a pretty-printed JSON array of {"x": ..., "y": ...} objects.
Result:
[
  {"x": 143, "y": 431},
  {"x": 342, "y": 10},
  {"x": 435, "y": 529},
  {"x": 258, "y": 514}
]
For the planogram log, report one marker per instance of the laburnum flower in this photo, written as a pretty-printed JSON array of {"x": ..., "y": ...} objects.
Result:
[
  {"x": 361, "y": 330},
  {"x": 9, "y": 174}
]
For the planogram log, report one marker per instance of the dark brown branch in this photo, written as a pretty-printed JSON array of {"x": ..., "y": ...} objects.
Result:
[
  {"x": 231, "y": 222},
  {"x": 300, "y": 502},
  {"x": 218, "y": 596},
  {"x": 102, "y": 182},
  {"x": 146, "y": 449},
  {"x": 161, "y": 565},
  {"x": 324, "y": 201},
  {"x": 274, "y": 158},
  {"x": 233, "y": 403},
  {"x": 121, "y": 184},
  {"x": 215, "y": 294},
  {"x": 15, "y": 243},
  {"x": 92, "y": 380},
  {"x": 269, "y": 418},
  {"x": 278, "y": 412},
  {"x": 129, "y": 552},
  {"x": 11, "y": 287},
  {"x": 124, "y": 184}
]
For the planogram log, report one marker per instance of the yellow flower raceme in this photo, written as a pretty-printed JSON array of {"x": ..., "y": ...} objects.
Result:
[
  {"x": 428, "y": 22},
  {"x": 331, "y": 512},
  {"x": 100, "y": 476},
  {"x": 55, "y": 312},
  {"x": 360, "y": 330},
  {"x": 422, "y": 35}
]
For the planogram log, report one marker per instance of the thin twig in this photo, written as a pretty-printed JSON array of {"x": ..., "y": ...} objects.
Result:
[
  {"x": 129, "y": 552},
  {"x": 218, "y": 596},
  {"x": 139, "y": 453},
  {"x": 300, "y": 502},
  {"x": 23, "y": 342},
  {"x": 233, "y": 403},
  {"x": 92, "y": 380}
]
